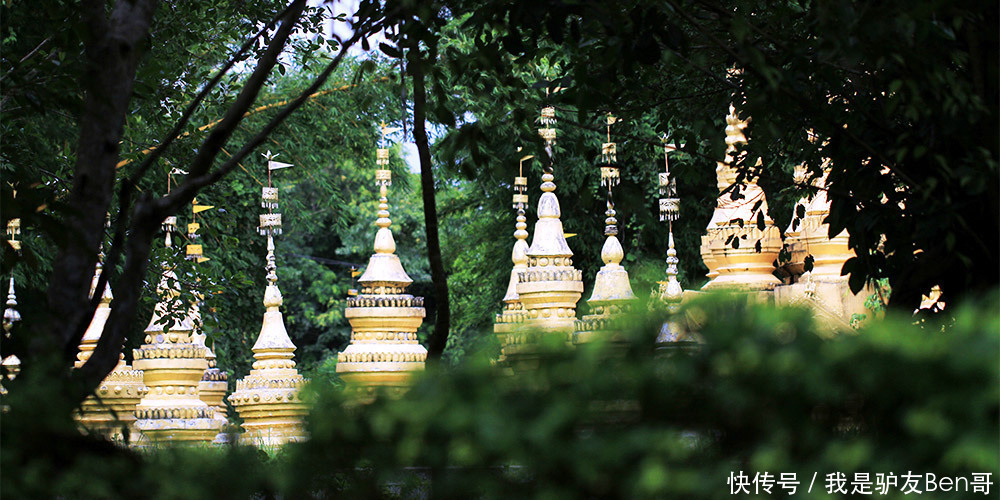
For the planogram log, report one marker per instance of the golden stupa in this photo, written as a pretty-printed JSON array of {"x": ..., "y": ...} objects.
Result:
[
  {"x": 551, "y": 286},
  {"x": 112, "y": 406},
  {"x": 612, "y": 295},
  {"x": 173, "y": 364},
  {"x": 510, "y": 319},
  {"x": 743, "y": 267},
  {"x": 384, "y": 350},
  {"x": 269, "y": 399},
  {"x": 822, "y": 288},
  {"x": 810, "y": 235}
]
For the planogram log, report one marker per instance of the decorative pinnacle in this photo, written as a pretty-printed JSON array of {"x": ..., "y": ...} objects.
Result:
[
  {"x": 273, "y": 348},
  {"x": 272, "y": 295},
  {"x": 10, "y": 315},
  {"x": 384, "y": 242},
  {"x": 734, "y": 131},
  {"x": 169, "y": 225},
  {"x": 673, "y": 292},
  {"x": 610, "y": 223},
  {"x": 106, "y": 296}
]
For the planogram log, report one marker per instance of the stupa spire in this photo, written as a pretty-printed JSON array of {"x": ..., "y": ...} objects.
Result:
[
  {"x": 10, "y": 314},
  {"x": 513, "y": 313},
  {"x": 11, "y": 364},
  {"x": 551, "y": 286},
  {"x": 741, "y": 241},
  {"x": 669, "y": 292},
  {"x": 384, "y": 351},
  {"x": 269, "y": 397},
  {"x": 273, "y": 342},
  {"x": 673, "y": 292},
  {"x": 612, "y": 294},
  {"x": 96, "y": 328}
]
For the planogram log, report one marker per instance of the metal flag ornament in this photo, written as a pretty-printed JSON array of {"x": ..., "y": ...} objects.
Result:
[
  {"x": 609, "y": 159},
  {"x": 610, "y": 177},
  {"x": 194, "y": 251},
  {"x": 548, "y": 121},
  {"x": 383, "y": 176},
  {"x": 270, "y": 223},
  {"x": 520, "y": 199},
  {"x": 670, "y": 204},
  {"x": 13, "y": 231}
]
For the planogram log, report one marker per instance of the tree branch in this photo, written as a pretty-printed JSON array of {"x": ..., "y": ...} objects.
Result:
[
  {"x": 149, "y": 212},
  {"x": 158, "y": 150}
]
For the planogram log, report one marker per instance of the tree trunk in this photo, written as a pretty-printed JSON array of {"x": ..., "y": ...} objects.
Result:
[
  {"x": 439, "y": 338},
  {"x": 112, "y": 52}
]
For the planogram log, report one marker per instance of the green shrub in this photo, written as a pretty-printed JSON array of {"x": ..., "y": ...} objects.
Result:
[{"x": 764, "y": 393}]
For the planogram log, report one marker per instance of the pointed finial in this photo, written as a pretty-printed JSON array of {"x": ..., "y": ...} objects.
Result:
[
  {"x": 272, "y": 295},
  {"x": 734, "y": 131},
  {"x": 612, "y": 252},
  {"x": 106, "y": 296},
  {"x": 673, "y": 292},
  {"x": 610, "y": 177},
  {"x": 273, "y": 348},
  {"x": 10, "y": 315},
  {"x": 519, "y": 254},
  {"x": 384, "y": 243},
  {"x": 169, "y": 225}
]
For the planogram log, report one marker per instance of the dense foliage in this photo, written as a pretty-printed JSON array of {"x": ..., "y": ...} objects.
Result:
[{"x": 764, "y": 393}]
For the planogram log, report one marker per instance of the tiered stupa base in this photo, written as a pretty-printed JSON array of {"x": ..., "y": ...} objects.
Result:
[
  {"x": 507, "y": 324},
  {"x": 742, "y": 269},
  {"x": 212, "y": 390},
  {"x": 172, "y": 410},
  {"x": 271, "y": 405},
  {"x": 114, "y": 406},
  {"x": 369, "y": 367},
  {"x": 605, "y": 326},
  {"x": 384, "y": 352}
]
